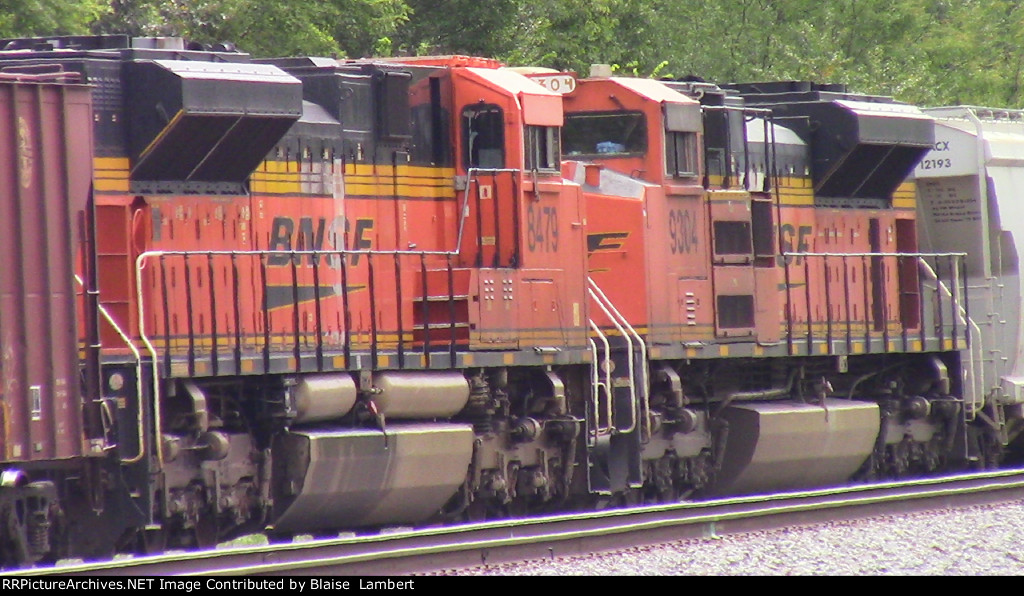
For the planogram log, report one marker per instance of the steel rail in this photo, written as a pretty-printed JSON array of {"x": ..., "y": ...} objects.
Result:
[{"x": 435, "y": 550}]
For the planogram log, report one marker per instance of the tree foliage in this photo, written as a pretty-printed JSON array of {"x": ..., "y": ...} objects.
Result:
[
  {"x": 30, "y": 18},
  {"x": 923, "y": 51}
]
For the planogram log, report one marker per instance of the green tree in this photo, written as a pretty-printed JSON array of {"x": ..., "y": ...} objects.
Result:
[
  {"x": 974, "y": 54},
  {"x": 472, "y": 27},
  {"x": 574, "y": 35},
  {"x": 562, "y": 34},
  {"x": 921, "y": 51},
  {"x": 30, "y": 18},
  {"x": 264, "y": 27},
  {"x": 132, "y": 17}
]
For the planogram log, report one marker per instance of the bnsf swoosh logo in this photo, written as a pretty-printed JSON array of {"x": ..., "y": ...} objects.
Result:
[{"x": 606, "y": 241}]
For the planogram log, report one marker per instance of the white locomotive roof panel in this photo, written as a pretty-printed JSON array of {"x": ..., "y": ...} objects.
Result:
[
  {"x": 655, "y": 90},
  {"x": 512, "y": 81},
  {"x": 903, "y": 111},
  {"x": 783, "y": 135}
]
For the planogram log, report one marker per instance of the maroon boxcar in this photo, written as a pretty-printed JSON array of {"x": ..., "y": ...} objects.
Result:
[{"x": 46, "y": 152}]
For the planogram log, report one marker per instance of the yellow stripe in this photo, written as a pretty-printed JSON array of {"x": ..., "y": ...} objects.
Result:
[
  {"x": 105, "y": 185},
  {"x": 280, "y": 188},
  {"x": 276, "y": 177},
  {"x": 110, "y": 174},
  {"x": 787, "y": 199},
  {"x": 366, "y": 169},
  {"x": 111, "y": 163},
  {"x": 788, "y": 196},
  {"x": 905, "y": 196},
  {"x": 280, "y": 177},
  {"x": 799, "y": 191},
  {"x": 402, "y": 190},
  {"x": 728, "y": 195},
  {"x": 418, "y": 180}
]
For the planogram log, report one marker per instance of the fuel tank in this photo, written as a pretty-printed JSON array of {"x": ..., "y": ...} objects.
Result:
[
  {"x": 365, "y": 477},
  {"x": 781, "y": 446}
]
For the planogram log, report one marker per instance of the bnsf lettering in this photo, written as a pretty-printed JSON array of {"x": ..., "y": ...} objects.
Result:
[
  {"x": 800, "y": 235},
  {"x": 360, "y": 241},
  {"x": 310, "y": 237},
  {"x": 682, "y": 231}
]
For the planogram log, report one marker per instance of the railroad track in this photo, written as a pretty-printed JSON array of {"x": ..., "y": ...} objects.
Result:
[{"x": 433, "y": 551}]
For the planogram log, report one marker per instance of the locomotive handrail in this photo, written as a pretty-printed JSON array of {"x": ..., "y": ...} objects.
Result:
[
  {"x": 154, "y": 357},
  {"x": 632, "y": 384},
  {"x": 874, "y": 254},
  {"x": 342, "y": 252},
  {"x": 615, "y": 317},
  {"x": 470, "y": 180},
  {"x": 975, "y": 345},
  {"x": 974, "y": 394},
  {"x": 598, "y": 384},
  {"x": 140, "y": 266},
  {"x": 138, "y": 386},
  {"x": 646, "y": 375},
  {"x": 296, "y": 253}
]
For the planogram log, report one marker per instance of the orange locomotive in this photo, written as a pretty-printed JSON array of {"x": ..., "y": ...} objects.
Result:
[
  {"x": 762, "y": 242},
  {"x": 330, "y": 295},
  {"x": 322, "y": 295}
]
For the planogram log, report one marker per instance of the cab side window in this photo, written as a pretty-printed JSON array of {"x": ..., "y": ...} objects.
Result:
[
  {"x": 605, "y": 134},
  {"x": 680, "y": 154},
  {"x": 483, "y": 137},
  {"x": 542, "y": 148}
]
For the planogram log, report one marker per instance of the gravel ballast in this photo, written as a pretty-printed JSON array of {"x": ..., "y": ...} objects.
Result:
[{"x": 983, "y": 540}]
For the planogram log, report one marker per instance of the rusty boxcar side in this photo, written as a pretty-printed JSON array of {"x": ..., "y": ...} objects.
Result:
[{"x": 46, "y": 152}]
